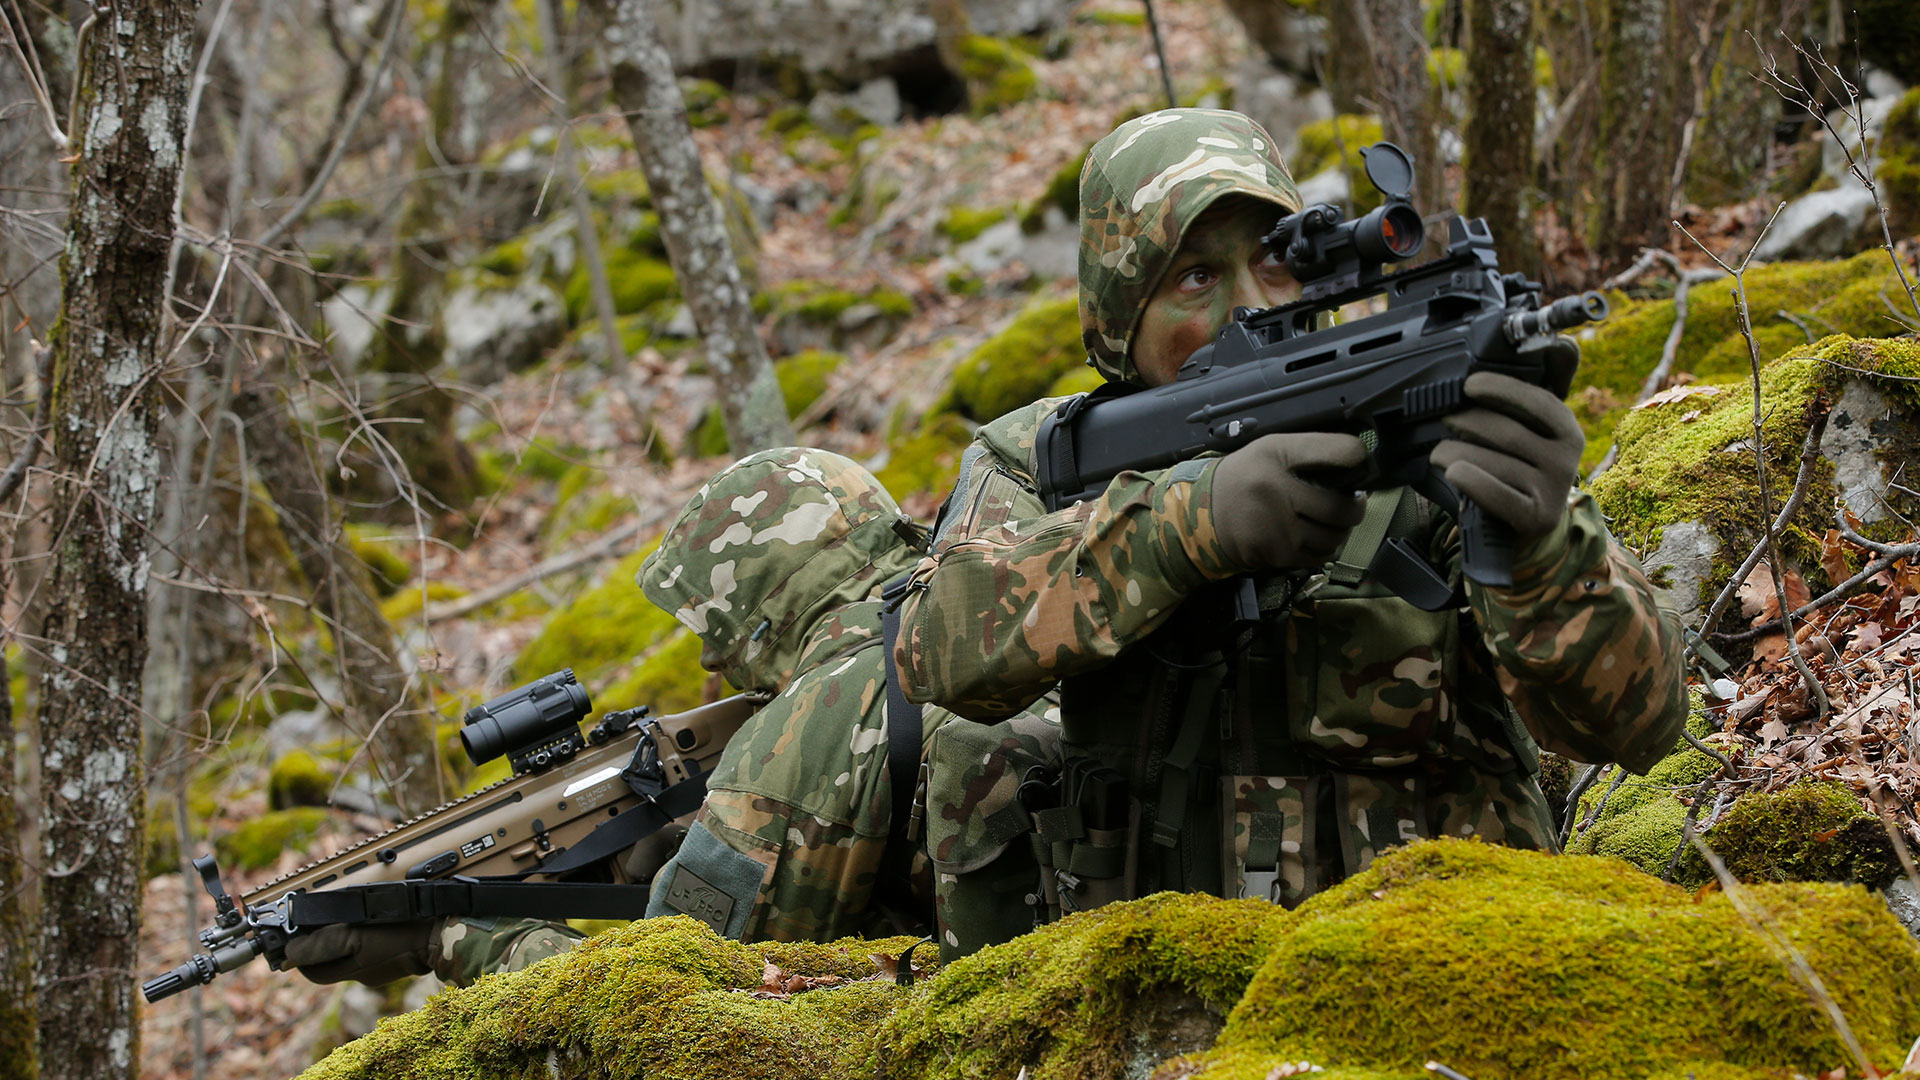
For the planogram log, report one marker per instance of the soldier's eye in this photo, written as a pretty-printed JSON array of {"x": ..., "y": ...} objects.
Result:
[{"x": 1198, "y": 277}]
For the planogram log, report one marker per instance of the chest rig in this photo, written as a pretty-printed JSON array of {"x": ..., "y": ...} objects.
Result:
[{"x": 1274, "y": 736}]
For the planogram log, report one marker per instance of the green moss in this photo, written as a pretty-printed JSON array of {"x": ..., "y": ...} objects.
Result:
[
  {"x": 927, "y": 461},
  {"x": 298, "y": 779},
  {"x": 963, "y": 223},
  {"x": 803, "y": 378},
  {"x": 1327, "y": 143},
  {"x": 379, "y": 549},
  {"x": 670, "y": 680},
  {"x": 163, "y": 841},
  {"x": 1079, "y": 380},
  {"x": 1448, "y": 67},
  {"x": 256, "y": 706},
  {"x": 1806, "y": 832},
  {"x": 1113, "y": 18},
  {"x": 407, "y": 603},
  {"x": 619, "y": 187},
  {"x": 1501, "y": 963},
  {"x": 637, "y": 278},
  {"x": 604, "y": 627},
  {"x": 823, "y": 302},
  {"x": 706, "y": 101},
  {"x": 1017, "y": 365},
  {"x": 1672, "y": 468},
  {"x": 255, "y": 844},
  {"x": 1509, "y": 963},
  {"x": 1898, "y": 174},
  {"x": 788, "y": 120},
  {"x": 1068, "y": 1001},
  {"x": 1063, "y": 192},
  {"x": 997, "y": 74},
  {"x": 508, "y": 258}
]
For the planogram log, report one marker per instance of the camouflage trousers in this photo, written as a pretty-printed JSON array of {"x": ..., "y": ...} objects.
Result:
[{"x": 472, "y": 947}]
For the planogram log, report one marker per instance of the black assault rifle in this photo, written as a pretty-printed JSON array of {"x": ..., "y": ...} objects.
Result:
[{"x": 1391, "y": 378}]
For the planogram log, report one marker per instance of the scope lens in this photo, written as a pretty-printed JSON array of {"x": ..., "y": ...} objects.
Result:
[{"x": 1401, "y": 229}]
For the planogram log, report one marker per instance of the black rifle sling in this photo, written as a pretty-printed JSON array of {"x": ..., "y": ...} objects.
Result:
[
  {"x": 410, "y": 901},
  {"x": 628, "y": 828},
  {"x": 904, "y": 727}
]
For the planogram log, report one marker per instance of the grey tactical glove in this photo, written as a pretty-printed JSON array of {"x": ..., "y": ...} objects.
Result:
[
  {"x": 374, "y": 954},
  {"x": 1516, "y": 453},
  {"x": 1270, "y": 509}
]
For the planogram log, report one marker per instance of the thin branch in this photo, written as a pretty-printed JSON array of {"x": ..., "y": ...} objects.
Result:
[
  {"x": 30, "y": 450},
  {"x": 396, "y": 10},
  {"x": 1809, "y": 454},
  {"x": 1579, "y": 788},
  {"x": 37, "y": 79},
  {"x": 500, "y": 590},
  {"x": 1819, "y": 692}
]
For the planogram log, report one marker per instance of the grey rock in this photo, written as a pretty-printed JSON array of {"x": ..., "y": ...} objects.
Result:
[
  {"x": 876, "y": 102},
  {"x": 350, "y": 316},
  {"x": 1684, "y": 558},
  {"x": 300, "y": 729},
  {"x": 853, "y": 40},
  {"x": 1279, "y": 101},
  {"x": 491, "y": 331},
  {"x": 1904, "y": 901},
  {"x": 996, "y": 246},
  {"x": 680, "y": 324},
  {"x": 1327, "y": 186},
  {"x": 1054, "y": 251},
  {"x": 1849, "y": 443},
  {"x": 360, "y": 1010},
  {"x": 1822, "y": 225},
  {"x": 419, "y": 990}
]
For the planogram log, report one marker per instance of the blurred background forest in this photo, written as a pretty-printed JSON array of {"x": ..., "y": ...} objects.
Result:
[{"x": 375, "y": 418}]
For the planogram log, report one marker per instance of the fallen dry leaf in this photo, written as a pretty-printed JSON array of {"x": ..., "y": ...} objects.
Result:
[
  {"x": 1292, "y": 1068},
  {"x": 1833, "y": 557},
  {"x": 1678, "y": 392}
]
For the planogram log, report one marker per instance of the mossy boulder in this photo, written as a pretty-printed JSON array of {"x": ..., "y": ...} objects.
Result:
[
  {"x": 256, "y": 843},
  {"x": 1062, "y": 194},
  {"x": 803, "y": 378},
  {"x": 638, "y": 279},
  {"x": 1508, "y": 964},
  {"x": 1336, "y": 143},
  {"x": 298, "y": 779},
  {"x": 963, "y": 223},
  {"x": 1018, "y": 364},
  {"x": 376, "y": 546},
  {"x": 603, "y": 628},
  {"x": 661, "y": 997},
  {"x": 1899, "y": 171},
  {"x": 1499, "y": 963},
  {"x": 922, "y": 464},
  {"x": 1683, "y": 489},
  {"x": 996, "y": 72},
  {"x": 826, "y": 315}
]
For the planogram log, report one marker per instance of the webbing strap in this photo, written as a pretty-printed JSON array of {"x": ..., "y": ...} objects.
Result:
[
  {"x": 1363, "y": 543},
  {"x": 904, "y": 742},
  {"x": 410, "y": 901},
  {"x": 1171, "y": 813},
  {"x": 628, "y": 828}
]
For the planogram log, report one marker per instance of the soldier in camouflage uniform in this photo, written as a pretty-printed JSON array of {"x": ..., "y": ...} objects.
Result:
[
  {"x": 776, "y": 565},
  {"x": 1275, "y": 760}
]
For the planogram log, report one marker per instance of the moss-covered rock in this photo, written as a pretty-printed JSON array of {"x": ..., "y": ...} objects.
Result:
[
  {"x": 377, "y": 547},
  {"x": 1806, "y": 832},
  {"x": 926, "y": 461},
  {"x": 603, "y": 628},
  {"x": 298, "y": 779},
  {"x": 1899, "y": 172},
  {"x": 661, "y": 997},
  {"x": 1325, "y": 144},
  {"x": 1511, "y": 964},
  {"x": 803, "y": 378},
  {"x": 1018, "y": 364},
  {"x": 826, "y": 315},
  {"x": 669, "y": 680},
  {"x": 258, "y": 842},
  {"x": 997, "y": 74},
  {"x": 1691, "y": 460},
  {"x": 163, "y": 840},
  {"x": 409, "y": 602},
  {"x": 637, "y": 278},
  {"x": 1830, "y": 297},
  {"x": 1502, "y": 964},
  {"x": 1062, "y": 193},
  {"x": 963, "y": 223}
]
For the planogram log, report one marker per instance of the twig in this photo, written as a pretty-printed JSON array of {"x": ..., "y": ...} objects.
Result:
[
  {"x": 1761, "y": 921},
  {"x": 37, "y": 79},
  {"x": 599, "y": 549},
  {"x": 1160, "y": 55},
  {"x": 1839, "y": 591},
  {"x": 1648, "y": 257},
  {"x": 1670, "y": 351},
  {"x": 1783, "y": 313},
  {"x": 1579, "y": 788},
  {"x": 1819, "y": 692},
  {"x": 1809, "y": 453},
  {"x": 1600, "y": 807},
  {"x": 339, "y": 148},
  {"x": 30, "y": 450}
]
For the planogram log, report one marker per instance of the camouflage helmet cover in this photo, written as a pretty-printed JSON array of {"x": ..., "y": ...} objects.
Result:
[
  {"x": 1141, "y": 188},
  {"x": 765, "y": 548}
]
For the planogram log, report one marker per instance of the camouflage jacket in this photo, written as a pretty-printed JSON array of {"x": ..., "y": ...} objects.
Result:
[
  {"x": 1347, "y": 720},
  {"x": 776, "y": 564}
]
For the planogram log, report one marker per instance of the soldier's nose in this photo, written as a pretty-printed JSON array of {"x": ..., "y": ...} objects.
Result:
[{"x": 709, "y": 657}]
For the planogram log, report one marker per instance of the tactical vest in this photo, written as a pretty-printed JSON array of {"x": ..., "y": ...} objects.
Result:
[{"x": 1275, "y": 756}]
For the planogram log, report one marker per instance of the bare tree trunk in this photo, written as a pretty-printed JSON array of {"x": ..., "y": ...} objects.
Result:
[
  {"x": 380, "y": 697},
  {"x": 694, "y": 231},
  {"x": 1499, "y": 137},
  {"x": 562, "y": 72},
  {"x": 19, "y": 1059},
  {"x": 1403, "y": 91},
  {"x": 1348, "y": 80},
  {"x": 1638, "y": 133},
  {"x": 108, "y": 353},
  {"x": 412, "y": 339}
]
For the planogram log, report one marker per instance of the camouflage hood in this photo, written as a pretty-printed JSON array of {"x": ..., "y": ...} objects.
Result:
[
  {"x": 769, "y": 546},
  {"x": 1142, "y": 186}
]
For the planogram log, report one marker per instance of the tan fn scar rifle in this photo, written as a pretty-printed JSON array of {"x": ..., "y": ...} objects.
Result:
[{"x": 540, "y": 844}]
